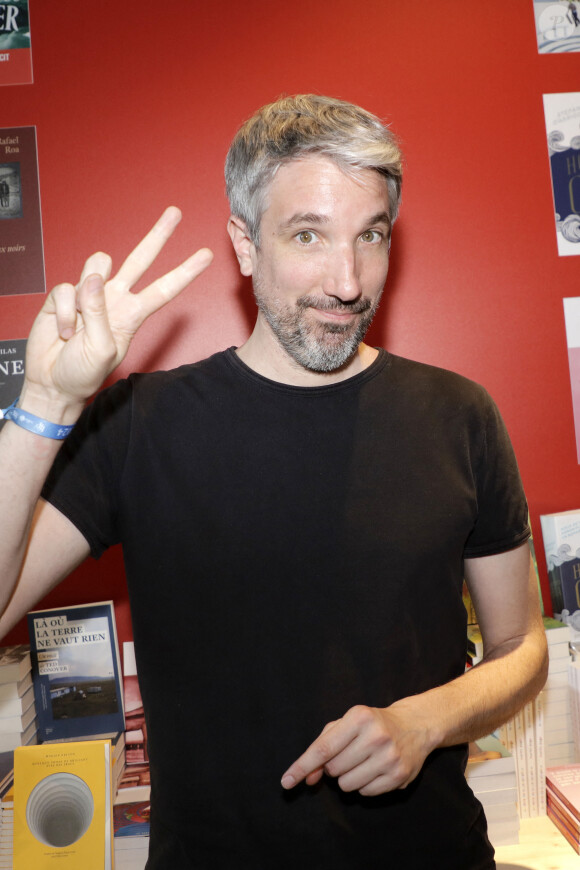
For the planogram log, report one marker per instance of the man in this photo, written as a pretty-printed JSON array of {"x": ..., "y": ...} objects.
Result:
[{"x": 297, "y": 516}]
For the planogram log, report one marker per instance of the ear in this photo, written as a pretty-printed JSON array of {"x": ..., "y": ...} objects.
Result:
[{"x": 243, "y": 245}]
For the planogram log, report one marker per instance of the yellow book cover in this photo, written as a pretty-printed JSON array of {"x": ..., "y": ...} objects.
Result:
[{"x": 63, "y": 806}]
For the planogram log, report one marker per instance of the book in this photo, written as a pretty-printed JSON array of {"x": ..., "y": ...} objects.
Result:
[
  {"x": 563, "y": 799},
  {"x": 12, "y": 354},
  {"x": 15, "y": 663},
  {"x": 20, "y": 721},
  {"x": 135, "y": 782},
  {"x": 561, "y": 112},
  {"x": 561, "y": 534},
  {"x": 572, "y": 323},
  {"x": 488, "y": 756},
  {"x": 557, "y": 632},
  {"x": 21, "y": 245},
  {"x": 474, "y": 642},
  {"x": 132, "y": 820},
  {"x": 557, "y": 27},
  {"x": 63, "y": 806},
  {"x": 135, "y": 725},
  {"x": 76, "y": 672},
  {"x": 491, "y": 774},
  {"x": 15, "y": 47},
  {"x": 13, "y": 691},
  {"x": 12, "y": 739}
]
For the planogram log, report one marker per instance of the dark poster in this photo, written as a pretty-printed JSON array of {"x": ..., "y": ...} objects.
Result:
[
  {"x": 15, "y": 51},
  {"x": 21, "y": 250}
]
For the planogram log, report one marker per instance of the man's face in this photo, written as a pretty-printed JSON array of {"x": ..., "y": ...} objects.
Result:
[{"x": 323, "y": 258}]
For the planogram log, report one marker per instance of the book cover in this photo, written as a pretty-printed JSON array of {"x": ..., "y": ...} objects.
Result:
[
  {"x": 12, "y": 355},
  {"x": 15, "y": 663},
  {"x": 557, "y": 26},
  {"x": 15, "y": 47},
  {"x": 562, "y": 112},
  {"x": 132, "y": 819},
  {"x": 564, "y": 781},
  {"x": 21, "y": 246},
  {"x": 63, "y": 806},
  {"x": 561, "y": 534},
  {"x": 76, "y": 672}
]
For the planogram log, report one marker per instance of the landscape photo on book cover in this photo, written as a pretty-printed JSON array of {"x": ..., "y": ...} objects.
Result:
[{"x": 80, "y": 670}]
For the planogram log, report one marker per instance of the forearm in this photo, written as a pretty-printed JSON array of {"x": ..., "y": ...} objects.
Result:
[
  {"x": 485, "y": 697},
  {"x": 25, "y": 459}
]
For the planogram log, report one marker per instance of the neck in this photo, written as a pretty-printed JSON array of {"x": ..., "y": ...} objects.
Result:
[{"x": 263, "y": 353}]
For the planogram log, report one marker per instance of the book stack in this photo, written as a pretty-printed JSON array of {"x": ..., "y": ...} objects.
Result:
[
  {"x": 558, "y": 696},
  {"x": 131, "y": 826},
  {"x": 7, "y": 827},
  {"x": 18, "y": 725},
  {"x": 491, "y": 773},
  {"x": 135, "y": 782},
  {"x": 6, "y": 809},
  {"x": 563, "y": 799}
]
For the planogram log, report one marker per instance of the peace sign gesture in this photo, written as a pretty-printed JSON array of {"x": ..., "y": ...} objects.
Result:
[{"x": 83, "y": 332}]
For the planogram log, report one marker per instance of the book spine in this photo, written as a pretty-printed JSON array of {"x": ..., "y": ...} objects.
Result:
[
  {"x": 521, "y": 767},
  {"x": 540, "y": 753},
  {"x": 531, "y": 772}
]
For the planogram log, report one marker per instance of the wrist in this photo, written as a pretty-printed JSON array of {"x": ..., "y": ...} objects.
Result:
[
  {"x": 50, "y": 405},
  {"x": 422, "y": 713}
]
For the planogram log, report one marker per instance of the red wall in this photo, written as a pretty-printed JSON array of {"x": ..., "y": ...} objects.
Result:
[{"x": 135, "y": 104}]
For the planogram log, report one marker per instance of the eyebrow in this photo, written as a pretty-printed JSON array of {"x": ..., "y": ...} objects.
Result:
[
  {"x": 309, "y": 217},
  {"x": 313, "y": 218}
]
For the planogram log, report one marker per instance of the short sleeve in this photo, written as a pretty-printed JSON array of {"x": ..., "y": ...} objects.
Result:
[
  {"x": 84, "y": 481},
  {"x": 502, "y": 510}
]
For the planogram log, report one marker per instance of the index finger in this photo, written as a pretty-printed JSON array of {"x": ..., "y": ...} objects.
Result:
[
  {"x": 148, "y": 249},
  {"x": 335, "y": 737}
]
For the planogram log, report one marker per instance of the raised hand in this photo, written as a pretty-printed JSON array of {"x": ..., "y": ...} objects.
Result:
[{"x": 83, "y": 332}]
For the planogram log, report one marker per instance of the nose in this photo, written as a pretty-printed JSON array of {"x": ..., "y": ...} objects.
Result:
[{"x": 343, "y": 279}]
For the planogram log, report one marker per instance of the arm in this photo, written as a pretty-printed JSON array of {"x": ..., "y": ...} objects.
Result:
[
  {"x": 375, "y": 750},
  {"x": 81, "y": 334}
]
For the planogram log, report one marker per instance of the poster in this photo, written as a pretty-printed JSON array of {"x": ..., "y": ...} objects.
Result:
[
  {"x": 15, "y": 49},
  {"x": 557, "y": 26},
  {"x": 572, "y": 320},
  {"x": 12, "y": 354},
  {"x": 562, "y": 113},
  {"x": 21, "y": 248}
]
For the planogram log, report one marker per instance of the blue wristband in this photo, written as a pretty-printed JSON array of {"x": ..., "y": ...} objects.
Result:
[{"x": 34, "y": 424}]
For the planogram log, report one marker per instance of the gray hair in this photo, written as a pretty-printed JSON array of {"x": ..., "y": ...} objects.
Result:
[{"x": 293, "y": 127}]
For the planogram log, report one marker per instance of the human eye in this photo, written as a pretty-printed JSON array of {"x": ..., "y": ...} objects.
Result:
[
  {"x": 306, "y": 237},
  {"x": 372, "y": 236}
]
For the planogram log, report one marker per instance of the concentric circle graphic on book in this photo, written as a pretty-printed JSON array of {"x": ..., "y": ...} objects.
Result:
[{"x": 60, "y": 809}]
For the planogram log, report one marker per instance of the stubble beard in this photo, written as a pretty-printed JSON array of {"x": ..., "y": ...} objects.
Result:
[{"x": 317, "y": 346}]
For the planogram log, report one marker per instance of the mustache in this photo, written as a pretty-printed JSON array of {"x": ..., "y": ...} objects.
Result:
[{"x": 357, "y": 306}]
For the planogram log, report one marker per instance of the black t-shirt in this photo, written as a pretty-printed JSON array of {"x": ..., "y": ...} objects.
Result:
[{"x": 292, "y": 552}]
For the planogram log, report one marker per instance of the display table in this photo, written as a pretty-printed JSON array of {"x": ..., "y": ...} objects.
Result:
[{"x": 541, "y": 847}]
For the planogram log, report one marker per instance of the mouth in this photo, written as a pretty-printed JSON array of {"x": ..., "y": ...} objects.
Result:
[{"x": 333, "y": 316}]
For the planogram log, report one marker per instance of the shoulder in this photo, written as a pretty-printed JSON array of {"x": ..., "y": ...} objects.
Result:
[
  {"x": 436, "y": 387},
  {"x": 143, "y": 388}
]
